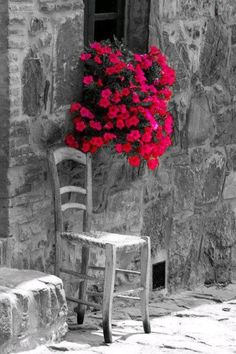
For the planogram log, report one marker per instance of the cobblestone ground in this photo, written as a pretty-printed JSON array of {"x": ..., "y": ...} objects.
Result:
[{"x": 202, "y": 321}]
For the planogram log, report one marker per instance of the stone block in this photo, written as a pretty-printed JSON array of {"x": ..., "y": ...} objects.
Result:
[
  {"x": 200, "y": 124},
  {"x": 214, "y": 53},
  {"x": 33, "y": 309},
  {"x": 69, "y": 45},
  {"x": 229, "y": 190},
  {"x": 184, "y": 190},
  {"x": 32, "y": 84}
]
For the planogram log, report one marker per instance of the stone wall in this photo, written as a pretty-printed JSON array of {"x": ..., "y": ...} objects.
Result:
[
  {"x": 44, "y": 39},
  {"x": 188, "y": 205}
]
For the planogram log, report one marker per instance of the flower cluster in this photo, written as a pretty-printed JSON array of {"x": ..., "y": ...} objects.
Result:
[{"x": 124, "y": 104}]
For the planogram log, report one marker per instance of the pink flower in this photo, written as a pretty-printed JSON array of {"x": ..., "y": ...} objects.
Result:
[
  {"x": 85, "y": 56},
  {"x": 113, "y": 111},
  {"x": 127, "y": 147},
  {"x": 130, "y": 67},
  {"x": 85, "y": 147},
  {"x": 106, "y": 93},
  {"x": 86, "y": 113},
  {"x": 135, "y": 98},
  {"x": 116, "y": 97},
  {"x": 132, "y": 122},
  {"x": 104, "y": 103},
  {"x": 118, "y": 148},
  {"x": 125, "y": 92},
  {"x": 109, "y": 125},
  {"x": 74, "y": 107},
  {"x": 96, "y": 45},
  {"x": 71, "y": 141},
  {"x": 134, "y": 161},
  {"x": 79, "y": 125},
  {"x": 97, "y": 141},
  {"x": 133, "y": 136},
  {"x": 168, "y": 125},
  {"x": 146, "y": 138},
  {"x": 108, "y": 137},
  {"x": 138, "y": 58},
  {"x": 97, "y": 59},
  {"x": 152, "y": 163},
  {"x": 120, "y": 124},
  {"x": 95, "y": 125},
  {"x": 87, "y": 80}
]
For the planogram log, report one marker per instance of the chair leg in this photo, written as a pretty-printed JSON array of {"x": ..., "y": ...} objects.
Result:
[
  {"x": 110, "y": 271},
  {"x": 145, "y": 283},
  {"x": 80, "y": 309}
]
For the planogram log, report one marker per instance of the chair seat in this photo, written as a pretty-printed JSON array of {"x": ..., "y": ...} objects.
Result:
[{"x": 101, "y": 239}]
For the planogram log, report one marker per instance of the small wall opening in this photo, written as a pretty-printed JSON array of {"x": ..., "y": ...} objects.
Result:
[{"x": 159, "y": 275}]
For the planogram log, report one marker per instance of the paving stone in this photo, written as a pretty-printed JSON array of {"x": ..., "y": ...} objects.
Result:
[{"x": 209, "y": 328}]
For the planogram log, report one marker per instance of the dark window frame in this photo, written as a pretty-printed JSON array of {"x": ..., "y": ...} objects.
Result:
[{"x": 91, "y": 17}]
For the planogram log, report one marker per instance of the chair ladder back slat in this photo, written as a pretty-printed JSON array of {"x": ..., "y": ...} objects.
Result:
[
  {"x": 72, "y": 189},
  {"x": 67, "y": 206},
  {"x": 64, "y": 153}
]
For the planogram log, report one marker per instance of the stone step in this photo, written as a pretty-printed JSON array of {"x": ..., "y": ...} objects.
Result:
[{"x": 33, "y": 309}]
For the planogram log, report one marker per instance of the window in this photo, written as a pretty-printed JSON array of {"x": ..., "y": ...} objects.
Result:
[
  {"x": 104, "y": 19},
  {"x": 159, "y": 275}
]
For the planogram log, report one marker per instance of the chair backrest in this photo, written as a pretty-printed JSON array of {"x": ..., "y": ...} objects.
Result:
[{"x": 56, "y": 155}]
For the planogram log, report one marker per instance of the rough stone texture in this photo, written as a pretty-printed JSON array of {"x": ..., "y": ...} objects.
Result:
[
  {"x": 201, "y": 46},
  {"x": 33, "y": 309},
  {"x": 42, "y": 43}
]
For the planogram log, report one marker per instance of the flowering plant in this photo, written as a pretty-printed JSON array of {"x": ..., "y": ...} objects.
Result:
[{"x": 124, "y": 103}]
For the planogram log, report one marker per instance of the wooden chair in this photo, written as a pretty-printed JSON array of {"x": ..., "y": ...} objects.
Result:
[{"x": 108, "y": 241}]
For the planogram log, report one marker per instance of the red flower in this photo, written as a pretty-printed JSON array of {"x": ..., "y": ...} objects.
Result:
[
  {"x": 97, "y": 141},
  {"x": 113, "y": 111},
  {"x": 99, "y": 83},
  {"x": 86, "y": 147},
  {"x": 128, "y": 93},
  {"x": 132, "y": 122},
  {"x": 118, "y": 148},
  {"x": 125, "y": 92},
  {"x": 79, "y": 125},
  {"x": 71, "y": 141},
  {"x": 85, "y": 56},
  {"x": 146, "y": 138},
  {"x": 120, "y": 124},
  {"x": 134, "y": 161},
  {"x": 95, "y": 125},
  {"x": 97, "y": 59},
  {"x": 106, "y": 93},
  {"x": 86, "y": 113},
  {"x": 108, "y": 137},
  {"x": 133, "y": 136},
  {"x": 168, "y": 125},
  {"x": 116, "y": 97},
  {"x": 87, "y": 80},
  {"x": 104, "y": 103},
  {"x": 127, "y": 147},
  {"x": 152, "y": 163},
  {"x": 135, "y": 98},
  {"x": 74, "y": 107},
  {"x": 109, "y": 125}
]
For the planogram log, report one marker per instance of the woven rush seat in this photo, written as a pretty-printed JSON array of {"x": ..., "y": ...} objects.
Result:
[{"x": 101, "y": 239}]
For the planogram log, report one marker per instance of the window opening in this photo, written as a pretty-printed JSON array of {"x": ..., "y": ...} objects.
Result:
[
  {"x": 104, "y": 19},
  {"x": 159, "y": 275}
]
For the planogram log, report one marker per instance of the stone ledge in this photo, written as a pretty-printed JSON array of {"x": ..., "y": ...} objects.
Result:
[{"x": 33, "y": 309}]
